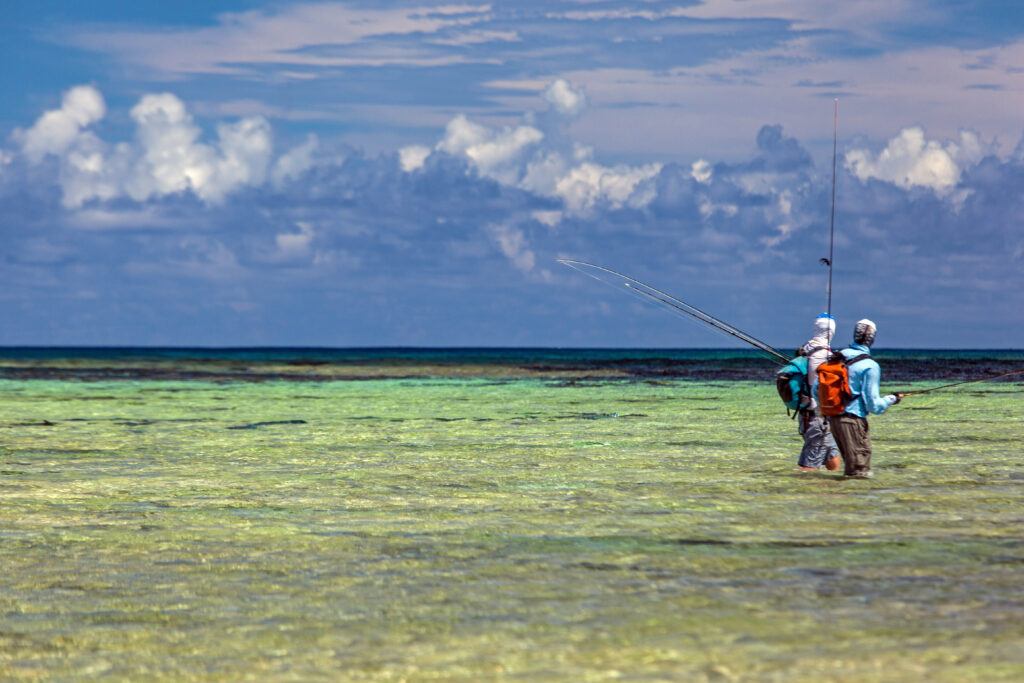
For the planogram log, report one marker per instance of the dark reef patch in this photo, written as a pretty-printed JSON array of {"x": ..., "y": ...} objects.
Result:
[{"x": 561, "y": 367}]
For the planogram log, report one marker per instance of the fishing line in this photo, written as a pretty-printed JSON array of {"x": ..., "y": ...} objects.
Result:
[
  {"x": 676, "y": 306},
  {"x": 958, "y": 384},
  {"x": 715, "y": 323}
]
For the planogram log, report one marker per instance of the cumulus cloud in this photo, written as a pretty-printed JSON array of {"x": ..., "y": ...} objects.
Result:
[
  {"x": 910, "y": 160},
  {"x": 166, "y": 157},
  {"x": 58, "y": 129},
  {"x": 409, "y": 245},
  {"x": 496, "y": 154},
  {"x": 295, "y": 161},
  {"x": 543, "y": 162},
  {"x": 412, "y": 157},
  {"x": 589, "y": 183},
  {"x": 563, "y": 98},
  {"x": 172, "y": 159},
  {"x": 701, "y": 171}
]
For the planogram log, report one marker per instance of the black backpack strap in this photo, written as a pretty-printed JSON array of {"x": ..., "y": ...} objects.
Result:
[{"x": 856, "y": 359}]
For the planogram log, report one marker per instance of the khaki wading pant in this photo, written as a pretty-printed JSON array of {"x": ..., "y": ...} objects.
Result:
[{"x": 853, "y": 436}]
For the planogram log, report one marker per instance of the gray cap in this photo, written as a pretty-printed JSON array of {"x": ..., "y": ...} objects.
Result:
[{"x": 864, "y": 332}]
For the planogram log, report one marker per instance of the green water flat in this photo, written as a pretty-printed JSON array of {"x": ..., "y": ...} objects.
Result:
[{"x": 529, "y": 529}]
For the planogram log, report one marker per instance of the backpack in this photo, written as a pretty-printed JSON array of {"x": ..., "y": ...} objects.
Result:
[
  {"x": 791, "y": 383},
  {"x": 834, "y": 383}
]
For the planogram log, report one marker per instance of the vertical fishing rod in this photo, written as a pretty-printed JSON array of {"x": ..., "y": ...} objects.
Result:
[{"x": 832, "y": 212}]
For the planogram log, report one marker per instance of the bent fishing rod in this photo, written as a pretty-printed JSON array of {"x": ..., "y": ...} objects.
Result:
[
  {"x": 901, "y": 394},
  {"x": 659, "y": 296}
]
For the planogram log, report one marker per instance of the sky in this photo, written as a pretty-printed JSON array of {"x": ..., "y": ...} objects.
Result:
[{"x": 337, "y": 174}]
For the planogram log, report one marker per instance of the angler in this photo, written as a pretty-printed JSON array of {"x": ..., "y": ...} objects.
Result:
[
  {"x": 819, "y": 445},
  {"x": 846, "y": 386},
  {"x": 847, "y": 407}
]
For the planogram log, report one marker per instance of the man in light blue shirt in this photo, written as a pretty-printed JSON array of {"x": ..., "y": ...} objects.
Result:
[{"x": 850, "y": 429}]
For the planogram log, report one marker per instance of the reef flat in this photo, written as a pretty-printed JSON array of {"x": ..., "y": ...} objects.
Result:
[{"x": 488, "y": 526}]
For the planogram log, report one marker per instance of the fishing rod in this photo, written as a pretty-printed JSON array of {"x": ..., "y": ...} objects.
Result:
[
  {"x": 637, "y": 287},
  {"x": 832, "y": 211},
  {"x": 718, "y": 324},
  {"x": 957, "y": 384}
]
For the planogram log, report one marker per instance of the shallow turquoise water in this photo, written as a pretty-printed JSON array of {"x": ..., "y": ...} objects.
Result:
[{"x": 482, "y": 529}]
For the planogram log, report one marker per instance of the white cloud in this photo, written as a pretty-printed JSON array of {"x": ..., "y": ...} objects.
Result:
[
  {"x": 544, "y": 171},
  {"x": 708, "y": 208},
  {"x": 701, "y": 171},
  {"x": 58, "y": 129},
  {"x": 295, "y": 161},
  {"x": 173, "y": 160},
  {"x": 294, "y": 36},
  {"x": 564, "y": 99},
  {"x": 461, "y": 134},
  {"x": 166, "y": 156},
  {"x": 245, "y": 152},
  {"x": 720, "y": 96},
  {"x": 513, "y": 245},
  {"x": 90, "y": 171},
  {"x": 807, "y": 14},
  {"x": 589, "y": 183},
  {"x": 782, "y": 212},
  {"x": 809, "y": 50},
  {"x": 122, "y": 219},
  {"x": 804, "y": 14},
  {"x": 412, "y": 157},
  {"x": 525, "y": 157},
  {"x": 475, "y": 37},
  {"x": 548, "y": 218},
  {"x": 496, "y": 154},
  {"x": 910, "y": 160}
]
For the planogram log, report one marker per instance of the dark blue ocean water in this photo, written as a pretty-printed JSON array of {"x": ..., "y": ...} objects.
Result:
[{"x": 457, "y": 355}]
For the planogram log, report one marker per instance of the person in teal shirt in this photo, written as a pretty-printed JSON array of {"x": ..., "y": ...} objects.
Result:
[
  {"x": 850, "y": 429},
  {"x": 819, "y": 446}
]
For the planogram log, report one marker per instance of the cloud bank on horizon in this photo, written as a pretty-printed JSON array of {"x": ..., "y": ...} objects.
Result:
[{"x": 143, "y": 216}]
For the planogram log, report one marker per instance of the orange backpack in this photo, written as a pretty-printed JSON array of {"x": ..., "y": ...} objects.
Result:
[{"x": 834, "y": 383}]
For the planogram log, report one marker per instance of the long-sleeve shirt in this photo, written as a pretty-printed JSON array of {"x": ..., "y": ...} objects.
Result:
[
  {"x": 865, "y": 377},
  {"x": 817, "y": 352}
]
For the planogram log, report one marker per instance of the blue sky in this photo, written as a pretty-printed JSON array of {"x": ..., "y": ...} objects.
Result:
[{"x": 406, "y": 173}]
